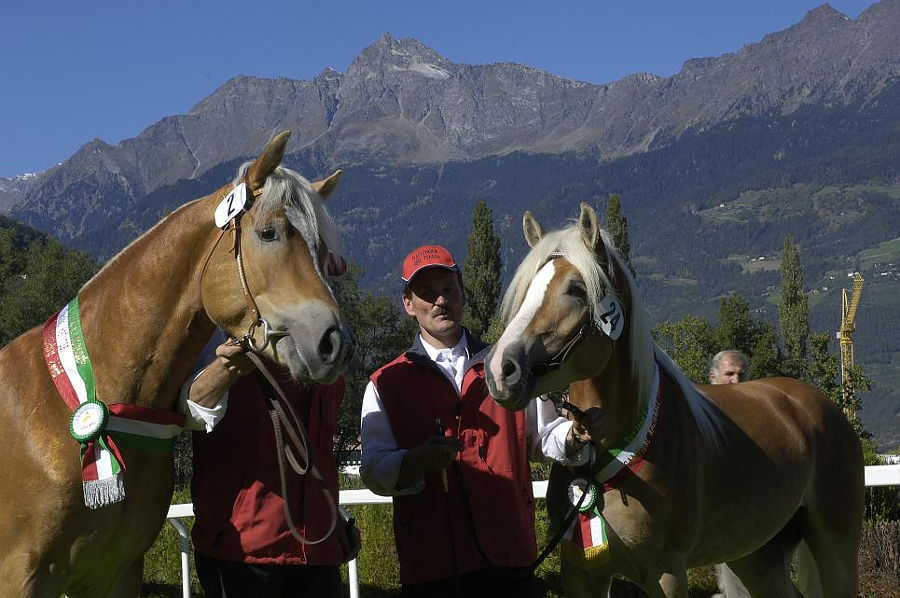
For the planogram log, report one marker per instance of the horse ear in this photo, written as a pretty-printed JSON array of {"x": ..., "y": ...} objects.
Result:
[
  {"x": 533, "y": 231},
  {"x": 326, "y": 186},
  {"x": 590, "y": 228},
  {"x": 268, "y": 161}
]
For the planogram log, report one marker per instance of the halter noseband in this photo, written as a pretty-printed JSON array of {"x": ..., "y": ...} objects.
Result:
[
  {"x": 234, "y": 225},
  {"x": 268, "y": 333},
  {"x": 560, "y": 357}
]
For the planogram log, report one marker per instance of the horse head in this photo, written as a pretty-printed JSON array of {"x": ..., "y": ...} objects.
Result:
[
  {"x": 567, "y": 307},
  {"x": 268, "y": 285}
]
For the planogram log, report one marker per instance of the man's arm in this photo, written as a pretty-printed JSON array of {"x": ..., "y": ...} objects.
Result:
[
  {"x": 206, "y": 396},
  {"x": 389, "y": 470},
  {"x": 552, "y": 435}
]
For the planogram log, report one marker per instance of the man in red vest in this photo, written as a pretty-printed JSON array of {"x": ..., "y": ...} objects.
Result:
[
  {"x": 455, "y": 462},
  {"x": 242, "y": 543}
]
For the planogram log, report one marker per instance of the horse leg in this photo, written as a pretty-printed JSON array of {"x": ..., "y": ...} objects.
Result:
[
  {"x": 22, "y": 577},
  {"x": 583, "y": 583},
  {"x": 808, "y": 579},
  {"x": 730, "y": 584},
  {"x": 767, "y": 571},
  {"x": 833, "y": 556},
  {"x": 128, "y": 582},
  {"x": 831, "y": 526}
]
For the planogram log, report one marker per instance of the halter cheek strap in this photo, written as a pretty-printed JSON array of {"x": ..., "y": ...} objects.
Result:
[{"x": 228, "y": 217}]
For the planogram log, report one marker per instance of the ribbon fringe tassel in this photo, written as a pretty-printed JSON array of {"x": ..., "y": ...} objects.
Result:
[{"x": 106, "y": 491}]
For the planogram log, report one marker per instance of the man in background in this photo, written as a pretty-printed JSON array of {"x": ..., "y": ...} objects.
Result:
[{"x": 728, "y": 367}]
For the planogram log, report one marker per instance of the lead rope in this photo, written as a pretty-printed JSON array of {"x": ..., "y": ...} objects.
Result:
[
  {"x": 557, "y": 537},
  {"x": 292, "y": 445}
]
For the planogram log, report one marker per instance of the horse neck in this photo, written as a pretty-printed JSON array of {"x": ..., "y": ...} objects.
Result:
[
  {"x": 616, "y": 393},
  {"x": 143, "y": 316}
]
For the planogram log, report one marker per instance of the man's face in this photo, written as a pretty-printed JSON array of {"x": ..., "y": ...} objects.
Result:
[
  {"x": 435, "y": 299},
  {"x": 731, "y": 371}
]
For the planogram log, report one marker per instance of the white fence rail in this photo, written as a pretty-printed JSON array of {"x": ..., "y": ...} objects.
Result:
[{"x": 876, "y": 475}]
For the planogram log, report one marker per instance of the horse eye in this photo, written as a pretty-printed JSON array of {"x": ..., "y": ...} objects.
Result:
[
  {"x": 577, "y": 289},
  {"x": 267, "y": 234}
]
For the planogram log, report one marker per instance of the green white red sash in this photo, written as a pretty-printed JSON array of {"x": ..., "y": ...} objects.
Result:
[
  {"x": 585, "y": 543},
  {"x": 127, "y": 425},
  {"x": 626, "y": 453}
]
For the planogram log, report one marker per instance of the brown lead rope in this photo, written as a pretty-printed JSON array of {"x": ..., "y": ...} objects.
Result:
[{"x": 291, "y": 445}]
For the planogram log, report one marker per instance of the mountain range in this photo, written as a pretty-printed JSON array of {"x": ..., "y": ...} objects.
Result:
[{"x": 797, "y": 134}]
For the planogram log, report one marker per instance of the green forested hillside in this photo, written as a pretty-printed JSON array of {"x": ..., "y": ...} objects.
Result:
[{"x": 707, "y": 216}]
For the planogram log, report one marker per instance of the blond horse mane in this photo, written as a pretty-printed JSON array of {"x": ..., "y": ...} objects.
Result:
[
  {"x": 304, "y": 209},
  {"x": 569, "y": 244}
]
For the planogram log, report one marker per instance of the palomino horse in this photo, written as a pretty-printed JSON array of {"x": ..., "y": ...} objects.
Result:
[
  {"x": 145, "y": 317},
  {"x": 679, "y": 477}
]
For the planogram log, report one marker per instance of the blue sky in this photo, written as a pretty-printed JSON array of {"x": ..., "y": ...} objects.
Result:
[{"x": 75, "y": 71}]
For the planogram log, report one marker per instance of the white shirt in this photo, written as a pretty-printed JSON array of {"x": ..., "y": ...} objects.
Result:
[
  {"x": 198, "y": 417},
  {"x": 381, "y": 458}
]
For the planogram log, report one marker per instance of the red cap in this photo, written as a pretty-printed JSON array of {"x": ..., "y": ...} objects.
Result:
[{"x": 427, "y": 256}]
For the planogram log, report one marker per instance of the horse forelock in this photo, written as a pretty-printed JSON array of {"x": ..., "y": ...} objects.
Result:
[
  {"x": 304, "y": 209},
  {"x": 618, "y": 282}
]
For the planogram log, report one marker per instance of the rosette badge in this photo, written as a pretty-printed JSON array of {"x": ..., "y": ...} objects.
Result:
[
  {"x": 88, "y": 421},
  {"x": 581, "y": 487}
]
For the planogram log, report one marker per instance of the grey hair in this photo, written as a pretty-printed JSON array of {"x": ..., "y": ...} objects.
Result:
[{"x": 716, "y": 361}]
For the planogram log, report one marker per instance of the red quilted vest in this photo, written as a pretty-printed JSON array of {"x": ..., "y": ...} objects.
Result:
[{"x": 493, "y": 464}]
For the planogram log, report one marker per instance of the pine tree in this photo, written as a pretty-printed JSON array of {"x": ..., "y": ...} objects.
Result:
[
  {"x": 481, "y": 272},
  {"x": 737, "y": 329},
  {"x": 617, "y": 226},
  {"x": 765, "y": 356},
  {"x": 793, "y": 311},
  {"x": 690, "y": 343}
]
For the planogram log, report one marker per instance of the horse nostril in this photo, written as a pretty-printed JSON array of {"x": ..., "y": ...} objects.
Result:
[
  {"x": 510, "y": 370},
  {"x": 330, "y": 344}
]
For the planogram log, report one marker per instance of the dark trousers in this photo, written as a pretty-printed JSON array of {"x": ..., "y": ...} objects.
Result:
[
  {"x": 495, "y": 582},
  {"x": 224, "y": 579}
]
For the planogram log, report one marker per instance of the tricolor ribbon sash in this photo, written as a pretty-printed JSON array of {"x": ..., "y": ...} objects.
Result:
[
  {"x": 135, "y": 426},
  {"x": 627, "y": 451},
  {"x": 585, "y": 543}
]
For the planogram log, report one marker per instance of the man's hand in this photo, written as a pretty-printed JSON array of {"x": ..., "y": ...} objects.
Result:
[
  {"x": 232, "y": 358},
  {"x": 588, "y": 427},
  {"x": 435, "y": 454},
  {"x": 231, "y": 363}
]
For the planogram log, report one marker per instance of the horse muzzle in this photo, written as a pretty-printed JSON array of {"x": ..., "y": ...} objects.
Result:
[
  {"x": 318, "y": 344},
  {"x": 508, "y": 375}
]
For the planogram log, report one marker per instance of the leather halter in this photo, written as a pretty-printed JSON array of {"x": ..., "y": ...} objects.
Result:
[
  {"x": 252, "y": 308},
  {"x": 560, "y": 357},
  {"x": 246, "y": 340}
]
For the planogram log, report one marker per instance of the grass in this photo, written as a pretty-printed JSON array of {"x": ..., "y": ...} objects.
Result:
[
  {"x": 888, "y": 251},
  {"x": 379, "y": 572}
]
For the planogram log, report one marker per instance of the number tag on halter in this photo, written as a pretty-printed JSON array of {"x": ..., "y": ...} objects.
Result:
[
  {"x": 611, "y": 318},
  {"x": 231, "y": 206}
]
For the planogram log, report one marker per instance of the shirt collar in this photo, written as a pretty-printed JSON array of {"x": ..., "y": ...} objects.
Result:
[{"x": 460, "y": 349}]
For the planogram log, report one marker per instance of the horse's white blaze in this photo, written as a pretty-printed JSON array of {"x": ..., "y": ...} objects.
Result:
[{"x": 534, "y": 298}]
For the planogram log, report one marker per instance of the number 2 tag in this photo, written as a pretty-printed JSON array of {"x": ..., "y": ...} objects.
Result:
[
  {"x": 231, "y": 206},
  {"x": 612, "y": 319}
]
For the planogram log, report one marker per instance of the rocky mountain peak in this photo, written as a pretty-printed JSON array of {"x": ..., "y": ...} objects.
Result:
[
  {"x": 824, "y": 14},
  {"x": 389, "y": 54}
]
